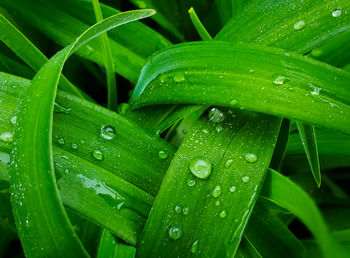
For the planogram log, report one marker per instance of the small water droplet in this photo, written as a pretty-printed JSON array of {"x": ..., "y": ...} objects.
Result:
[
  {"x": 336, "y": 13},
  {"x": 61, "y": 141},
  {"x": 74, "y": 146},
  {"x": 232, "y": 189},
  {"x": 245, "y": 179},
  {"x": 299, "y": 25},
  {"x": 13, "y": 120},
  {"x": 60, "y": 109},
  {"x": 107, "y": 132},
  {"x": 217, "y": 203},
  {"x": 162, "y": 154},
  {"x": 82, "y": 141},
  {"x": 191, "y": 182},
  {"x": 216, "y": 191},
  {"x": 194, "y": 247},
  {"x": 200, "y": 167},
  {"x": 222, "y": 214},
  {"x": 216, "y": 115},
  {"x": 280, "y": 80},
  {"x": 219, "y": 128},
  {"x": 179, "y": 77},
  {"x": 97, "y": 154},
  {"x": 316, "y": 52},
  {"x": 175, "y": 233},
  {"x": 233, "y": 102},
  {"x": 205, "y": 131},
  {"x": 251, "y": 157},
  {"x": 228, "y": 163},
  {"x": 178, "y": 209},
  {"x": 185, "y": 211},
  {"x": 6, "y": 137}
]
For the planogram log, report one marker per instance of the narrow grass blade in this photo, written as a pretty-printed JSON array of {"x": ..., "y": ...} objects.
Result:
[
  {"x": 281, "y": 146},
  {"x": 9, "y": 65},
  {"x": 43, "y": 225},
  {"x": 29, "y": 53},
  {"x": 203, "y": 33},
  {"x": 261, "y": 79},
  {"x": 308, "y": 138},
  {"x": 110, "y": 247},
  {"x": 112, "y": 99},
  {"x": 278, "y": 189},
  {"x": 223, "y": 201}
]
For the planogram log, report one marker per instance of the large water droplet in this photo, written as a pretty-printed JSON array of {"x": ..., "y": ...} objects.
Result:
[
  {"x": 245, "y": 179},
  {"x": 162, "y": 154},
  {"x": 60, "y": 109},
  {"x": 191, "y": 182},
  {"x": 251, "y": 157},
  {"x": 107, "y": 132},
  {"x": 200, "y": 167},
  {"x": 178, "y": 209},
  {"x": 175, "y": 233},
  {"x": 279, "y": 80},
  {"x": 299, "y": 25},
  {"x": 228, "y": 163},
  {"x": 223, "y": 214},
  {"x": 194, "y": 247},
  {"x": 216, "y": 191},
  {"x": 6, "y": 137},
  {"x": 216, "y": 115},
  {"x": 336, "y": 13},
  {"x": 97, "y": 154}
]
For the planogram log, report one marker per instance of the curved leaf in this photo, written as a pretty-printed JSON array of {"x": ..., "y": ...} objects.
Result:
[{"x": 43, "y": 225}]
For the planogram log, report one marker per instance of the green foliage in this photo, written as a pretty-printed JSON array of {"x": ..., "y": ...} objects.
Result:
[{"x": 209, "y": 149}]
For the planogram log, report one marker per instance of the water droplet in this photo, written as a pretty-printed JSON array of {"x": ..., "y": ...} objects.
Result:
[
  {"x": 200, "y": 167},
  {"x": 205, "y": 131},
  {"x": 107, "y": 132},
  {"x": 222, "y": 214},
  {"x": 179, "y": 77},
  {"x": 178, "y": 209},
  {"x": 185, "y": 211},
  {"x": 82, "y": 141},
  {"x": 233, "y": 102},
  {"x": 245, "y": 179},
  {"x": 316, "y": 52},
  {"x": 191, "y": 182},
  {"x": 216, "y": 115},
  {"x": 97, "y": 154},
  {"x": 336, "y": 13},
  {"x": 6, "y": 137},
  {"x": 217, "y": 203},
  {"x": 233, "y": 189},
  {"x": 216, "y": 191},
  {"x": 162, "y": 154},
  {"x": 299, "y": 25},
  {"x": 13, "y": 120},
  {"x": 61, "y": 141},
  {"x": 251, "y": 157},
  {"x": 219, "y": 128},
  {"x": 228, "y": 163},
  {"x": 280, "y": 80},
  {"x": 74, "y": 146},
  {"x": 194, "y": 247},
  {"x": 175, "y": 233},
  {"x": 60, "y": 109},
  {"x": 316, "y": 91}
]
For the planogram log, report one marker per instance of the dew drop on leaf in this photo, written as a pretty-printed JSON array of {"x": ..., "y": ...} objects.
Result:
[
  {"x": 61, "y": 141},
  {"x": 107, "y": 132},
  {"x": 216, "y": 115},
  {"x": 175, "y": 233},
  {"x": 299, "y": 25},
  {"x": 13, "y": 120},
  {"x": 97, "y": 154},
  {"x": 162, "y": 154},
  {"x": 216, "y": 191},
  {"x": 233, "y": 102},
  {"x": 179, "y": 77},
  {"x": 191, "y": 182},
  {"x": 245, "y": 179},
  {"x": 194, "y": 247},
  {"x": 336, "y": 13},
  {"x": 217, "y": 203},
  {"x": 185, "y": 211},
  {"x": 219, "y": 128},
  {"x": 74, "y": 146},
  {"x": 6, "y": 137},
  {"x": 228, "y": 163},
  {"x": 251, "y": 157},
  {"x": 178, "y": 209},
  {"x": 279, "y": 80},
  {"x": 200, "y": 167},
  {"x": 232, "y": 189},
  {"x": 222, "y": 214}
]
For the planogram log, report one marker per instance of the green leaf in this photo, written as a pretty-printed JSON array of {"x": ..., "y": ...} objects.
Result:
[
  {"x": 29, "y": 53},
  {"x": 112, "y": 99},
  {"x": 272, "y": 23},
  {"x": 255, "y": 78},
  {"x": 283, "y": 192},
  {"x": 110, "y": 247},
  {"x": 281, "y": 146},
  {"x": 43, "y": 225},
  {"x": 308, "y": 138},
  {"x": 203, "y": 33},
  {"x": 190, "y": 205}
]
